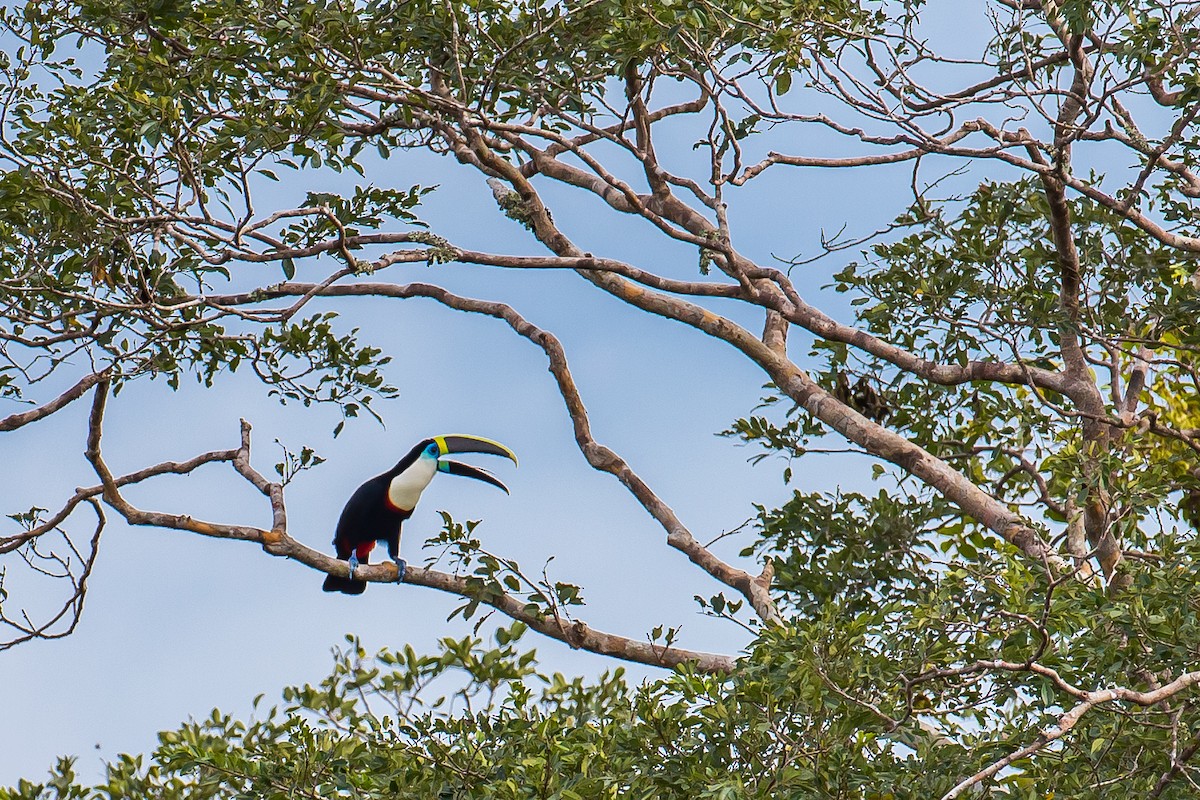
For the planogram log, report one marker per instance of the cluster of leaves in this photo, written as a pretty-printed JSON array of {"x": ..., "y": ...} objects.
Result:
[
  {"x": 931, "y": 593},
  {"x": 137, "y": 135},
  {"x": 290, "y": 353},
  {"x": 855, "y": 551},
  {"x": 294, "y": 463},
  {"x": 368, "y": 208},
  {"x": 1156, "y": 38},
  {"x": 852, "y": 700},
  {"x": 109, "y": 221},
  {"x": 987, "y": 290},
  {"x": 489, "y": 577},
  {"x": 499, "y": 53}
]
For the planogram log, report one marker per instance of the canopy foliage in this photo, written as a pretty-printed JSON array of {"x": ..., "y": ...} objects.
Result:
[{"x": 1008, "y": 612}]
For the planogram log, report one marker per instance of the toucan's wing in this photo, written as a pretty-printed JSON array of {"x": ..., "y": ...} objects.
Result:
[
  {"x": 354, "y": 524},
  {"x": 468, "y": 471},
  {"x": 468, "y": 443}
]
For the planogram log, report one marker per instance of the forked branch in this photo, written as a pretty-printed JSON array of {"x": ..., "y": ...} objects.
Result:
[{"x": 57, "y": 566}]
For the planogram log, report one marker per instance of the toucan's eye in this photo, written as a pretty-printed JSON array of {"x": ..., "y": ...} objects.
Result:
[{"x": 432, "y": 450}]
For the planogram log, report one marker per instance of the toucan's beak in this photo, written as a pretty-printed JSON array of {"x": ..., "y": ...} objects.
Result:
[
  {"x": 468, "y": 471},
  {"x": 466, "y": 443}
]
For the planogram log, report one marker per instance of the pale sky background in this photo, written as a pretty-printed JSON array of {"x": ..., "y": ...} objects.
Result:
[{"x": 177, "y": 624}]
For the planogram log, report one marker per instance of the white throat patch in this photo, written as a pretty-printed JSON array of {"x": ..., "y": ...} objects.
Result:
[{"x": 405, "y": 489}]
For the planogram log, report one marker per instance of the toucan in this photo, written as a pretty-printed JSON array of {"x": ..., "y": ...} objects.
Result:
[{"x": 377, "y": 509}]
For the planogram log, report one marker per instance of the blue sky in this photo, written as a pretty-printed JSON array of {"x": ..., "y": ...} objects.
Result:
[{"x": 177, "y": 624}]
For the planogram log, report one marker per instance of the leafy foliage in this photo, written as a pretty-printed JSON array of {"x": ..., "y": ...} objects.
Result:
[
  {"x": 1021, "y": 371},
  {"x": 889, "y": 700}
]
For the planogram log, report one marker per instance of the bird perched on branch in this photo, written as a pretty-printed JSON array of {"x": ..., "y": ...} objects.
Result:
[{"x": 378, "y": 508}]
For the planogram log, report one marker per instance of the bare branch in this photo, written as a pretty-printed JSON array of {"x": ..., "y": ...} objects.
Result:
[
  {"x": 14, "y": 421},
  {"x": 73, "y": 605}
]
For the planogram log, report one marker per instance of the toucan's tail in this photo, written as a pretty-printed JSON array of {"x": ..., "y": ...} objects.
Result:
[{"x": 334, "y": 583}]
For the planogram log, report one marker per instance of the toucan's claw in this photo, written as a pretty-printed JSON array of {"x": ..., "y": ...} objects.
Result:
[
  {"x": 353, "y": 564},
  {"x": 401, "y": 568}
]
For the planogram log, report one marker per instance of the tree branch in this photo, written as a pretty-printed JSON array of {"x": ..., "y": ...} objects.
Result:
[
  {"x": 278, "y": 542},
  {"x": 797, "y": 385},
  {"x": 73, "y": 605},
  {"x": 14, "y": 421},
  {"x": 1070, "y": 719},
  {"x": 754, "y": 588}
]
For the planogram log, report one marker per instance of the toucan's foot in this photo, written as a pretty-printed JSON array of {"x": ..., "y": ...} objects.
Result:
[
  {"x": 353, "y": 564},
  {"x": 401, "y": 568}
]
